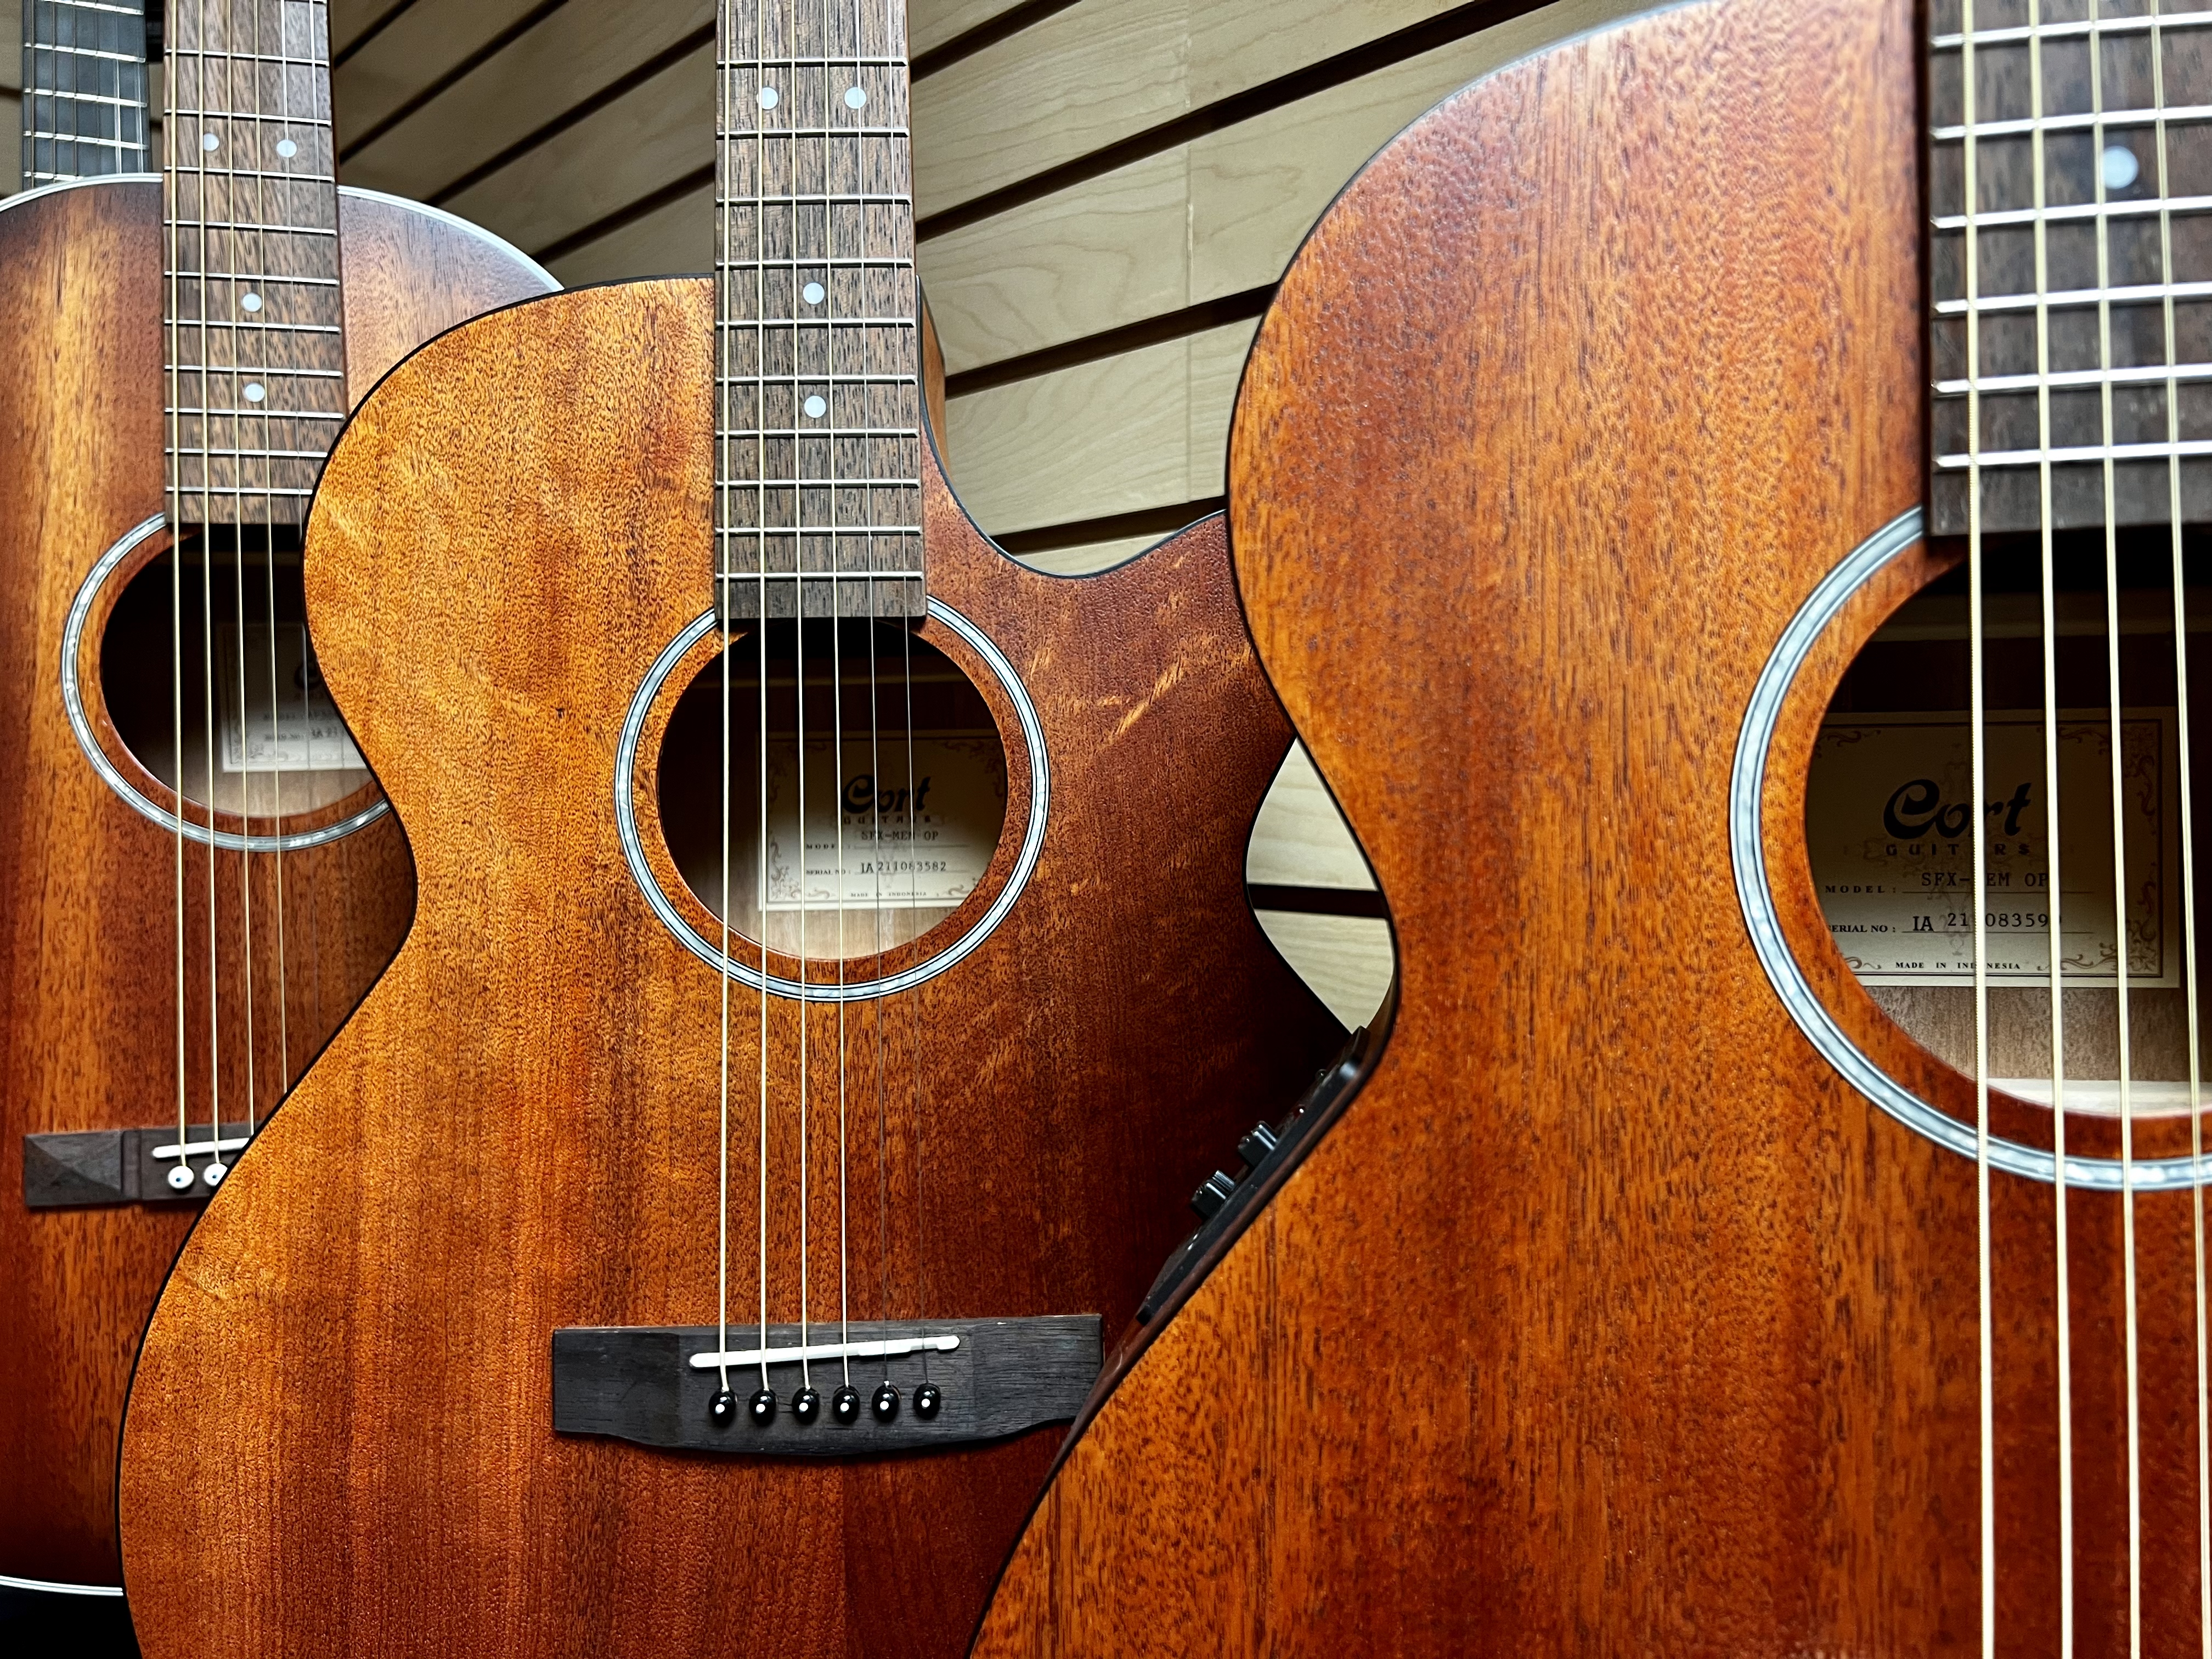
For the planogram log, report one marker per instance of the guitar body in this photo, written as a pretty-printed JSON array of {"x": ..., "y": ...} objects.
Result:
[
  {"x": 1607, "y": 1318},
  {"x": 343, "y": 1399},
  {"x": 87, "y": 917}
]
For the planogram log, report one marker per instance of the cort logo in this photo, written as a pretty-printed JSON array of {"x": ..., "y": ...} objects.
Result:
[
  {"x": 861, "y": 795},
  {"x": 1917, "y": 809}
]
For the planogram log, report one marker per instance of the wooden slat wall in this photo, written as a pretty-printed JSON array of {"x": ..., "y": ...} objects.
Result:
[
  {"x": 1107, "y": 190},
  {"x": 11, "y": 96}
]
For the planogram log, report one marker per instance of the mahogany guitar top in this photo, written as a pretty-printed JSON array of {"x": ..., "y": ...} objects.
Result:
[
  {"x": 341, "y": 1423},
  {"x": 86, "y": 927},
  {"x": 1608, "y": 1319}
]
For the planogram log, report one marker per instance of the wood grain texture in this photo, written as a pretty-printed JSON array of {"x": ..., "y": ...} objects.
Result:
[
  {"x": 341, "y": 1404},
  {"x": 1607, "y": 1320},
  {"x": 86, "y": 923}
]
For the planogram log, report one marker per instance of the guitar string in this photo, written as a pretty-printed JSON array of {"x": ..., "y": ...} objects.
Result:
[
  {"x": 2188, "y": 828},
  {"x": 258, "y": 239},
  {"x": 2062, "y": 1265},
  {"x": 317, "y": 52},
  {"x": 789, "y": 227},
  {"x": 910, "y": 303},
  {"x": 720, "y": 518},
  {"x": 2117, "y": 783},
  {"x": 760, "y": 520},
  {"x": 1980, "y": 853},
  {"x": 207, "y": 620},
  {"x": 172, "y": 374},
  {"x": 836, "y": 650}
]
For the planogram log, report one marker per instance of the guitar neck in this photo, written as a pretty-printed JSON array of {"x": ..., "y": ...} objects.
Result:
[
  {"x": 2070, "y": 343},
  {"x": 84, "y": 89},
  {"x": 256, "y": 344},
  {"x": 818, "y": 422}
]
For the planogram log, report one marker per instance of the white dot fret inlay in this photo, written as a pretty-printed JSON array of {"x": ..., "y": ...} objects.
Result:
[
  {"x": 2120, "y": 167},
  {"x": 255, "y": 391},
  {"x": 287, "y": 149},
  {"x": 854, "y": 98},
  {"x": 811, "y": 294},
  {"x": 209, "y": 140},
  {"x": 817, "y": 407},
  {"x": 251, "y": 302},
  {"x": 767, "y": 97}
]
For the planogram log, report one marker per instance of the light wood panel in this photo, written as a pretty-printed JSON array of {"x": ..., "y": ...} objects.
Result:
[
  {"x": 1104, "y": 71},
  {"x": 1217, "y": 216},
  {"x": 11, "y": 96},
  {"x": 933, "y": 23},
  {"x": 572, "y": 55},
  {"x": 391, "y": 69},
  {"x": 1139, "y": 430},
  {"x": 1299, "y": 838},
  {"x": 676, "y": 239},
  {"x": 1348, "y": 960}
]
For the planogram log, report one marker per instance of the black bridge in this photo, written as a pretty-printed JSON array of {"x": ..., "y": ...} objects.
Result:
[
  {"x": 123, "y": 1166},
  {"x": 949, "y": 1382}
]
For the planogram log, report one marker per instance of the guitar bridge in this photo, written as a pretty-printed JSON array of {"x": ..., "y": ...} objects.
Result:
[
  {"x": 126, "y": 1166},
  {"x": 990, "y": 1378}
]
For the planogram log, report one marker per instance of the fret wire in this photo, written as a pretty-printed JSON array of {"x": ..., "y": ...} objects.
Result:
[
  {"x": 258, "y": 230},
  {"x": 220, "y": 453},
  {"x": 249, "y": 276},
  {"x": 817, "y": 322},
  {"x": 248, "y": 56},
  {"x": 2137, "y": 452},
  {"x": 850, "y": 262},
  {"x": 2065, "y": 378},
  {"x": 57, "y": 96},
  {"x": 262, "y": 414},
  {"x": 97, "y": 141},
  {"x": 2018, "y": 33},
  {"x": 262, "y": 370},
  {"x": 59, "y": 51},
  {"x": 2020, "y": 126},
  {"x": 2077, "y": 297},
  {"x": 260, "y": 327},
  {"x": 2134, "y": 209},
  {"x": 248, "y": 115}
]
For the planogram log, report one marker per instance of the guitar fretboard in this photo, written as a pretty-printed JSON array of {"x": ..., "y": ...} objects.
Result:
[
  {"x": 256, "y": 347},
  {"x": 2073, "y": 291},
  {"x": 84, "y": 89},
  {"x": 818, "y": 424}
]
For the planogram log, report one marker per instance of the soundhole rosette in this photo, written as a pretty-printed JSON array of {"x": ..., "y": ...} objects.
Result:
[
  {"x": 650, "y": 693},
  {"x": 106, "y": 571},
  {"x": 1754, "y": 893}
]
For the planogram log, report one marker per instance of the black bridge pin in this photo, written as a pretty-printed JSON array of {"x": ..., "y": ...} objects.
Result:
[
  {"x": 762, "y": 1408},
  {"x": 927, "y": 1399},
  {"x": 806, "y": 1405},
  {"x": 722, "y": 1410},
  {"x": 885, "y": 1404},
  {"x": 844, "y": 1405}
]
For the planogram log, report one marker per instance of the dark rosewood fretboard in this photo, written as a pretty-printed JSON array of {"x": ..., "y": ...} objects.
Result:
[
  {"x": 84, "y": 89},
  {"x": 2084, "y": 270},
  {"x": 818, "y": 424},
  {"x": 256, "y": 349}
]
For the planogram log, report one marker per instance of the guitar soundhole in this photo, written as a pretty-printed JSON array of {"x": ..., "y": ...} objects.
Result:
[
  {"x": 904, "y": 787},
  {"x": 261, "y": 737},
  {"x": 1889, "y": 814}
]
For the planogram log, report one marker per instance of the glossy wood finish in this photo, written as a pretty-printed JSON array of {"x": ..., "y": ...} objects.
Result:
[
  {"x": 342, "y": 1409},
  {"x": 1608, "y": 1319},
  {"x": 87, "y": 917}
]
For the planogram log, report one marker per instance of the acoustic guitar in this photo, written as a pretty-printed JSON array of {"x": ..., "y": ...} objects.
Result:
[
  {"x": 1749, "y": 679},
  {"x": 168, "y": 967},
  {"x": 829, "y": 934}
]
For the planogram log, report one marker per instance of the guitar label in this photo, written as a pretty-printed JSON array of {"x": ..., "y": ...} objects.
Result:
[
  {"x": 872, "y": 842},
  {"x": 284, "y": 721},
  {"x": 1889, "y": 825}
]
